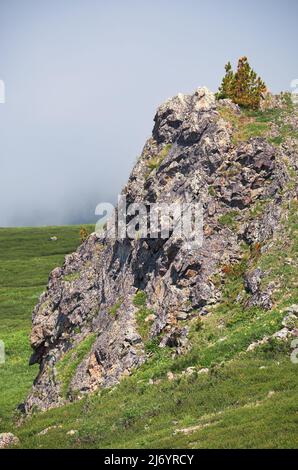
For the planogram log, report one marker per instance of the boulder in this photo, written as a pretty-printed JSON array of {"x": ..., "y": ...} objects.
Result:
[{"x": 8, "y": 439}]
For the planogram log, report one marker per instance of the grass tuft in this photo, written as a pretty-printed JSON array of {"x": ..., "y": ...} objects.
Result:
[{"x": 67, "y": 366}]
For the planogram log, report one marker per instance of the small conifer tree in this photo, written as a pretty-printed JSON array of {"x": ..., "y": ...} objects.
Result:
[
  {"x": 243, "y": 87},
  {"x": 226, "y": 87}
]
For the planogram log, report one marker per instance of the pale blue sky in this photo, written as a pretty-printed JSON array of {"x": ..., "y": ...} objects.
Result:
[{"x": 84, "y": 77}]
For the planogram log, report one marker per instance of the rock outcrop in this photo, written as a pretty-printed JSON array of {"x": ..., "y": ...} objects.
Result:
[
  {"x": 7, "y": 439},
  {"x": 88, "y": 315}
]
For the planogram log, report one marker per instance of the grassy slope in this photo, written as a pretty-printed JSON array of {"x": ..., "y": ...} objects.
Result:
[
  {"x": 232, "y": 406},
  {"x": 26, "y": 258},
  {"x": 259, "y": 123}
]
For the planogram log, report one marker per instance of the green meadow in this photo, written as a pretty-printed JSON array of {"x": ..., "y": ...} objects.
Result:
[{"x": 244, "y": 400}]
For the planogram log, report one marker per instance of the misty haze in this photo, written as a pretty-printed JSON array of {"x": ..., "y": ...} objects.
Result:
[{"x": 83, "y": 84}]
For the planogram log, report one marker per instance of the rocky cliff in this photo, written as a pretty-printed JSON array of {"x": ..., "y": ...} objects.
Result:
[{"x": 111, "y": 297}]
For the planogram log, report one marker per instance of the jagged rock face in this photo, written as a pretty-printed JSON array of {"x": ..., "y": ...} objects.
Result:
[{"x": 93, "y": 293}]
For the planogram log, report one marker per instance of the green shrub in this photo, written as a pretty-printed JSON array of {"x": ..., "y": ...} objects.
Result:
[
  {"x": 84, "y": 234},
  {"x": 228, "y": 219},
  {"x": 140, "y": 299},
  {"x": 211, "y": 191},
  {"x": 155, "y": 162},
  {"x": 143, "y": 325},
  {"x": 243, "y": 87},
  {"x": 114, "y": 309},
  {"x": 198, "y": 324},
  {"x": 71, "y": 277},
  {"x": 128, "y": 418},
  {"x": 273, "y": 347}
]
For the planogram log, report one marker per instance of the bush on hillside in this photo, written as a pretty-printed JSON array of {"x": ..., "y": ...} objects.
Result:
[{"x": 243, "y": 87}]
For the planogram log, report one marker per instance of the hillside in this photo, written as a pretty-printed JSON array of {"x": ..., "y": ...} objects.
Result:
[
  {"x": 27, "y": 255},
  {"x": 233, "y": 400},
  {"x": 145, "y": 343}
]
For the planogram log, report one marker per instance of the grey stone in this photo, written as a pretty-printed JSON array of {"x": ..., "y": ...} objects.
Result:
[
  {"x": 7, "y": 439},
  {"x": 282, "y": 334},
  {"x": 290, "y": 321},
  {"x": 293, "y": 309},
  {"x": 203, "y": 371}
]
